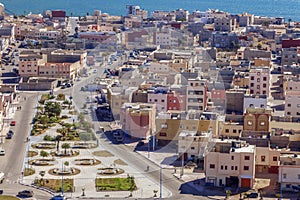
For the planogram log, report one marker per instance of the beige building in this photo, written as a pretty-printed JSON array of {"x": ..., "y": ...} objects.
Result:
[
  {"x": 267, "y": 160},
  {"x": 196, "y": 98},
  {"x": 289, "y": 172},
  {"x": 193, "y": 144},
  {"x": 256, "y": 121},
  {"x": 29, "y": 62},
  {"x": 230, "y": 129},
  {"x": 169, "y": 125},
  {"x": 292, "y": 97},
  {"x": 231, "y": 163}
]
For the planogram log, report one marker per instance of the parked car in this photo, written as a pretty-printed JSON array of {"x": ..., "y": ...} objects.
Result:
[
  {"x": 9, "y": 135},
  {"x": 2, "y": 152},
  {"x": 2, "y": 177},
  {"x": 25, "y": 193},
  {"x": 13, "y": 123},
  {"x": 58, "y": 197},
  {"x": 11, "y": 132},
  {"x": 252, "y": 195}
]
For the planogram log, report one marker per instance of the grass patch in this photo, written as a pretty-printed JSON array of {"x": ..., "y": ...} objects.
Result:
[
  {"x": 55, "y": 184},
  {"x": 103, "y": 153},
  {"x": 115, "y": 184},
  {"x": 6, "y": 197},
  {"x": 120, "y": 162},
  {"x": 32, "y": 153},
  {"x": 29, "y": 171}
]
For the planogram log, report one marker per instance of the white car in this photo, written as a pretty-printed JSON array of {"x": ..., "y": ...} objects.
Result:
[{"x": 2, "y": 152}]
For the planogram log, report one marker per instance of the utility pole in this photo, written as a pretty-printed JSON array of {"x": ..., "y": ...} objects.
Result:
[
  {"x": 160, "y": 181},
  {"x": 62, "y": 178},
  {"x": 281, "y": 182}
]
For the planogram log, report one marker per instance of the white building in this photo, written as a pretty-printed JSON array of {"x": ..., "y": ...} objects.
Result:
[
  {"x": 255, "y": 101},
  {"x": 196, "y": 94}
]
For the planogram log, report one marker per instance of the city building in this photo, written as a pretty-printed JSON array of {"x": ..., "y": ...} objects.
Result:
[
  {"x": 230, "y": 164},
  {"x": 138, "y": 119},
  {"x": 259, "y": 82}
]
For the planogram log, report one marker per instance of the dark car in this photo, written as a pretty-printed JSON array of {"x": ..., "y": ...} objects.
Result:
[
  {"x": 253, "y": 195},
  {"x": 9, "y": 135},
  {"x": 26, "y": 193},
  {"x": 11, "y": 132}
]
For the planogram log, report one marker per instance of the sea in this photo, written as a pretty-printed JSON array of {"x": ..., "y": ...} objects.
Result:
[{"x": 289, "y": 9}]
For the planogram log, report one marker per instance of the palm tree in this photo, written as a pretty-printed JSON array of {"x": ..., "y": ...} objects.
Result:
[{"x": 66, "y": 146}]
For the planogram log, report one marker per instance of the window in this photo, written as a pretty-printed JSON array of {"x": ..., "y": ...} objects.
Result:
[
  {"x": 164, "y": 126},
  {"x": 249, "y": 123},
  {"x": 288, "y": 113},
  {"x": 155, "y": 100},
  {"x": 251, "y": 84},
  {"x": 258, "y": 87},
  {"x": 264, "y": 85},
  {"x": 163, "y": 134},
  {"x": 262, "y": 123},
  {"x": 232, "y": 168},
  {"x": 162, "y": 100},
  {"x": 263, "y": 158},
  {"x": 298, "y": 105},
  {"x": 252, "y": 78},
  {"x": 236, "y": 168},
  {"x": 221, "y": 167},
  {"x": 284, "y": 176},
  {"x": 226, "y": 130},
  {"x": 274, "y": 158},
  {"x": 264, "y": 78},
  {"x": 232, "y": 157},
  {"x": 298, "y": 176},
  {"x": 234, "y": 130},
  {"x": 246, "y": 168},
  {"x": 212, "y": 166},
  {"x": 225, "y": 167},
  {"x": 258, "y": 79},
  {"x": 247, "y": 157},
  {"x": 192, "y": 148}
]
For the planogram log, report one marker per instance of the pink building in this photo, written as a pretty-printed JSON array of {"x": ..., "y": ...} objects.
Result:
[
  {"x": 159, "y": 98},
  {"x": 259, "y": 82},
  {"x": 138, "y": 119}
]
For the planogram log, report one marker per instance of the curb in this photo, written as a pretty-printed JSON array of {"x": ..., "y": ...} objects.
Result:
[{"x": 36, "y": 187}]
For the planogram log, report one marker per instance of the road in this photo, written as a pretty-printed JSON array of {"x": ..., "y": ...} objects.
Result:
[
  {"x": 127, "y": 154},
  {"x": 11, "y": 164}
]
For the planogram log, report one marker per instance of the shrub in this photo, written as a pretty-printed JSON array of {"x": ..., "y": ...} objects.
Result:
[
  {"x": 61, "y": 97},
  {"x": 48, "y": 138}
]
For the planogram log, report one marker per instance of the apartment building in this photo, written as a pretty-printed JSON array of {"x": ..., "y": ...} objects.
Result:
[
  {"x": 176, "y": 101},
  {"x": 230, "y": 164},
  {"x": 29, "y": 61},
  {"x": 290, "y": 56},
  {"x": 292, "y": 97},
  {"x": 267, "y": 160},
  {"x": 196, "y": 94},
  {"x": 194, "y": 145},
  {"x": 158, "y": 96},
  {"x": 255, "y": 101},
  {"x": 170, "y": 124},
  {"x": 230, "y": 129},
  {"x": 256, "y": 121},
  {"x": 245, "y": 19},
  {"x": 259, "y": 82},
  {"x": 138, "y": 119},
  {"x": 289, "y": 172},
  {"x": 117, "y": 96},
  {"x": 226, "y": 24}
]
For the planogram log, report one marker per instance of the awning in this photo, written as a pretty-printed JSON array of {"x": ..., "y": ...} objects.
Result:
[{"x": 247, "y": 176}]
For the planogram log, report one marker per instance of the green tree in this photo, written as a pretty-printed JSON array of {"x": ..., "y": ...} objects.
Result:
[
  {"x": 53, "y": 108},
  {"x": 85, "y": 136},
  {"x": 66, "y": 146},
  {"x": 44, "y": 154}
]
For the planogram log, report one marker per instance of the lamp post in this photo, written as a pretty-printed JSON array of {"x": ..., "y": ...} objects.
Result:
[
  {"x": 62, "y": 178},
  {"x": 160, "y": 181}
]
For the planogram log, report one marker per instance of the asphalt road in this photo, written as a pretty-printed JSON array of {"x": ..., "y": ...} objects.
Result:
[{"x": 11, "y": 164}]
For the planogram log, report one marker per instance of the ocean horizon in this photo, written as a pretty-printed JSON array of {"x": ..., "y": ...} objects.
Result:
[{"x": 289, "y": 9}]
